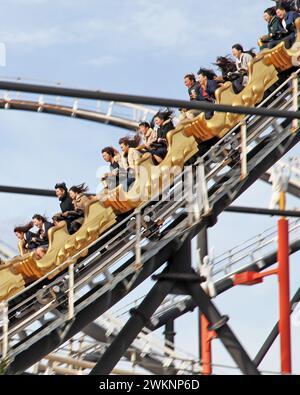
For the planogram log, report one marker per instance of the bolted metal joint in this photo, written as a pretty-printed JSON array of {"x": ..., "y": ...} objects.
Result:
[
  {"x": 220, "y": 324},
  {"x": 180, "y": 277},
  {"x": 139, "y": 313}
]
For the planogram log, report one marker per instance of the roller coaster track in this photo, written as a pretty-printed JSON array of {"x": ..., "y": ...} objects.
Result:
[
  {"x": 111, "y": 264},
  {"x": 151, "y": 354},
  {"x": 123, "y": 115},
  {"x": 147, "y": 352}
]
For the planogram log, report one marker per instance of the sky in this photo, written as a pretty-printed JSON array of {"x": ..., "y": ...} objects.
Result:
[{"x": 137, "y": 47}]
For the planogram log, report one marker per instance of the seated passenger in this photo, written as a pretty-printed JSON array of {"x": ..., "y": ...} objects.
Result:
[
  {"x": 208, "y": 85},
  {"x": 243, "y": 58},
  {"x": 193, "y": 86},
  {"x": 62, "y": 193},
  {"x": 229, "y": 72},
  {"x": 57, "y": 219},
  {"x": 289, "y": 5},
  {"x": 40, "y": 252},
  {"x": 129, "y": 157},
  {"x": 66, "y": 205},
  {"x": 111, "y": 180},
  {"x": 149, "y": 135},
  {"x": 276, "y": 31},
  {"x": 24, "y": 234},
  {"x": 288, "y": 22},
  {"x": 80, "y": 199},
  {"x": 43, "y": 228},
  {"x": 194, "y": 94},
  {"x": 159, "y": 148}
]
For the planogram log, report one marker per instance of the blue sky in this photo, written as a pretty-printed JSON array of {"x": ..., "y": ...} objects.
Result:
[{"x": 126, "y": 46}]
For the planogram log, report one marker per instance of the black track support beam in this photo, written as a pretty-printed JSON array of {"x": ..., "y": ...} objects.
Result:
[
  {"x": 218, "y": 323},
  {"x": 262, "y": 211},
  {"x": 27, "y": 191},
  {"x": 221, "y": 287},
  {"x": 144, "y": 100},
  {"x": 274, "y": 334},
  {"x": 141, "y": 316},
  {"x": 180, "y": 266},
  {"x": 170, "y": 334}
]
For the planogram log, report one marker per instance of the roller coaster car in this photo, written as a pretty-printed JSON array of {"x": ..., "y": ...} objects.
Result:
[{"x": 264, "y": 72}]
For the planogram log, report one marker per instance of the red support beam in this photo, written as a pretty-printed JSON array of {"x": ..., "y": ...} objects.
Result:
[
  {"x": 284, "y": 296},
  {"x": 206, "y": 338},
  {"x": 252, "y": 278}
]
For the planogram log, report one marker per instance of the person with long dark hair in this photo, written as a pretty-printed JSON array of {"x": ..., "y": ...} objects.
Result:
[
  {"x": 79, "y": 199},
  {"x": 164, "y": 124},
  {"x": 227, "y": 66},
  {"x": 208, "y": 84},
  {"x": 27, "y": 239},
  {"x": 43, "y": 226}
]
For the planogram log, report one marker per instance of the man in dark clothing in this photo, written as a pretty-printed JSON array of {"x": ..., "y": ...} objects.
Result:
[
  {"x": 193, "y": 86},
  {"x": 288, "y": 19},
  {"x": 289, "y": 5},
  {"x": 66, "y": 205},
  {"x": 194, "y": 94},
  {"x": 62, "y": 193}
]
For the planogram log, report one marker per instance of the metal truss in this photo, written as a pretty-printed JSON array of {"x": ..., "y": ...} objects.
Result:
[{"x": 113, "y": 268}]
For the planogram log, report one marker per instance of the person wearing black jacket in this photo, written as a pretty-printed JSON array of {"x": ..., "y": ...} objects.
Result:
[
  {"x": 62, "y": 193},
  {"x": 159, "y": 149},
  {"x": 66, "y": 206},
  {"x": 193, "y": 86},
  {"x": 26, "y": 237},
  {"x": 43, "y": 229}
]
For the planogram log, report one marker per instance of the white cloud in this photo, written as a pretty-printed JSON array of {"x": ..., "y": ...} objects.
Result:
[
  {"x": 38, "y": 39},
  {"x": 102, "y": 61},
  {"x": 154, "y": 26}
]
